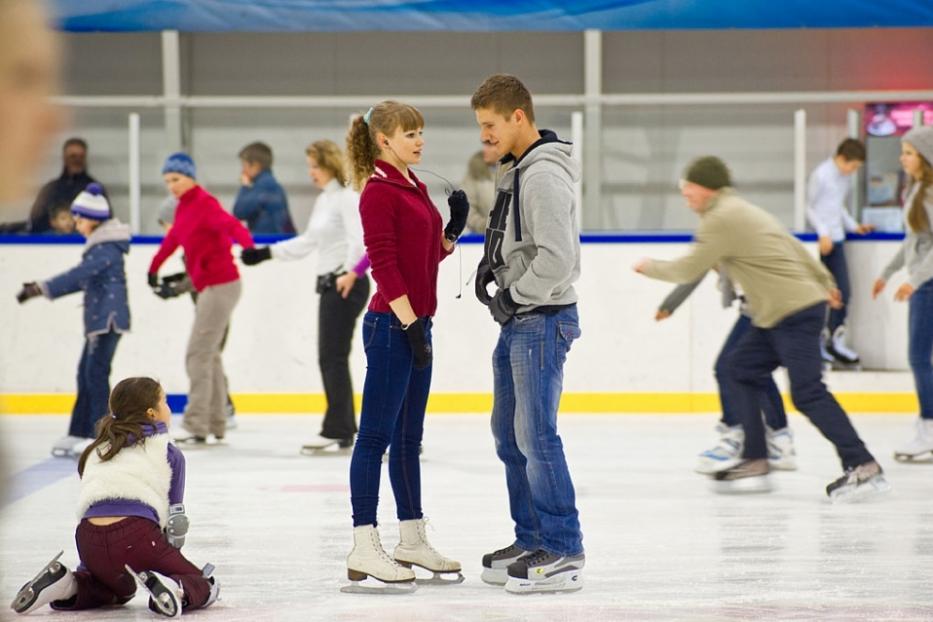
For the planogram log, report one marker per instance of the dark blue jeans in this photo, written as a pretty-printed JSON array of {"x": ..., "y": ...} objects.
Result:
[
  {"x": 920, "y": 345},
  {"x": 770, "y": 402},
  {"x": 528, "y": 373},
  {"x": 793, "y": 343},
  {"x": 395, "y": 395},
  {"x": 835, "y": 262},
  {"x": 93, "y": 383}
]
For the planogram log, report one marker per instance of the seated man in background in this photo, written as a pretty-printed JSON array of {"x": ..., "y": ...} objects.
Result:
[
  {"x": 261, "y": 201},
  {"x": 65, "y": 188}
]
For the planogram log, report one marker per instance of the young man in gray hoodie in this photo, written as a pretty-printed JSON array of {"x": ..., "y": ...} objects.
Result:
[{"x": 532, "y": 254}]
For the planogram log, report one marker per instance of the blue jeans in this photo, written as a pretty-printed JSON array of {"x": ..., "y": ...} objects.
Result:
[
  {"x": 835, "y": 262},
  {"x": 770, "y": 401},
  {"x": 528, "y": 373},
  {"x": 795, "y": 344},
  {"x": 395, "y": 395},
  {"x": 93, "y": 383},
  {"x": 920, "y": 345}
]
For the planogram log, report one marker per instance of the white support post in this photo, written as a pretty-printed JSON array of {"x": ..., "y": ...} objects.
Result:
[
  {"x": 854, "y": 123},
  {"x": 134, "y": 181},
  {"x": 593, "y": 128},
  {"x": 171, "y": 89},
  {"x": 800, "y": 169},
  {"x": 918, "y": 117},
  {"x": 576, "y": 136}
]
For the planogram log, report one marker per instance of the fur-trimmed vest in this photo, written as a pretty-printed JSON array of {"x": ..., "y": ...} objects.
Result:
[{"x": 138, "y": 473}]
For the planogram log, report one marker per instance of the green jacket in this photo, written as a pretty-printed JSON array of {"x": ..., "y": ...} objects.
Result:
[{"x": 774, "y": 270}]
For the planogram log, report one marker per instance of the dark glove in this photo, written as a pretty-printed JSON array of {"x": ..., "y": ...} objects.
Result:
[
  {"x": 173, "y": 285},
  {"x": 153, "y": 280},
  {"x": 420, "y": 348},
  {"x": 253, "y": 256},
  {"x": 502, "y": 306},
  {"x": 459, "y": 208},
  {"x": 484, "y": 277},
  {"x": 30, "y": 290}
]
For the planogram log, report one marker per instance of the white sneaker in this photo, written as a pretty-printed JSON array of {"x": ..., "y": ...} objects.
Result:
[
  {"x": 414, "y": 550},
  {"x": 727, "y": 452},
  {"x": 54, "y": 582},
  {"x": 921, "y": 444},
  {"x": 371, "y": 570},
  {"x": 781, "y": 453}
]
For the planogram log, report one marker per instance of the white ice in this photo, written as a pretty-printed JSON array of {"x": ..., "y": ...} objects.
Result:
[{"x": 660, "y": 545}]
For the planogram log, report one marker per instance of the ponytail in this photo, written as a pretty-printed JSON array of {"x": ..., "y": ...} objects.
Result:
[
  {"x": 361, "y": 152},
  {"x": 124, "y": 425}
]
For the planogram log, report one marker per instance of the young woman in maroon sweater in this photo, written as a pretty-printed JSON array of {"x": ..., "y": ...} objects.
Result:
[{"x": 405, "y": 240}]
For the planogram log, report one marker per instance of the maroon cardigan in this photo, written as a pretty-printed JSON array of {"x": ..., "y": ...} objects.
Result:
[{"x": 403, "y": 235}]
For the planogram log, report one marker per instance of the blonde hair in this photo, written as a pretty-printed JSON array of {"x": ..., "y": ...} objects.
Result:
[
  {"x": 385, "y": 117},
  {"x": 328, "y": 156},
  {"x": 917, "y": 214}
]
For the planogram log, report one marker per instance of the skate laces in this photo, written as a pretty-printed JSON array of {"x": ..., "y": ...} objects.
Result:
[
  {"x": 536, "y": 558},
  {"x": 377, "y": 543}
]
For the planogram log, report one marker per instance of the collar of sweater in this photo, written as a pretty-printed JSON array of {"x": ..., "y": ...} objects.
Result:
[{"x": 385, "y": 172}]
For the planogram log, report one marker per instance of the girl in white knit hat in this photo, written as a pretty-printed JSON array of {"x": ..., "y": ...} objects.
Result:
[{"x": 102, "y": 278}]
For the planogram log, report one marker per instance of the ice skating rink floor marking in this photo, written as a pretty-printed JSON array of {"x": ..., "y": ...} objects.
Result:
[{"x": 660, "y": 545}]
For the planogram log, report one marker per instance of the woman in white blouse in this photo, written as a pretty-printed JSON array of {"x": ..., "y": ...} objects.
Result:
[{"x": 334, "y": 230}]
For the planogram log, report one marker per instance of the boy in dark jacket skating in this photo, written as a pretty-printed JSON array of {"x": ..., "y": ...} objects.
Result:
[{"x": 102, "y": 278}]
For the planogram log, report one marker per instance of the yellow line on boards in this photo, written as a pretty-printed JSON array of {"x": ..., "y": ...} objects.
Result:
[{"x": 439, "y": 403}]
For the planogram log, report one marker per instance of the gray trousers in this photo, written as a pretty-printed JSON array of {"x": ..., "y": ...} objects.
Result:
[{"x": 207, "y": 395}]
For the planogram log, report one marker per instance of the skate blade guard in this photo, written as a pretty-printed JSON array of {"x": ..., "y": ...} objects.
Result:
[
  {"x": 744, "y": 486},
  {"x": 868, "y": 491},
  {"x": 366, "y": 584},
  {"x": 25, "y": 600},
  {"x": 495, "y": 576},
  {"x": 162, "y": 598},
  {"x": 570, "y": 581}
]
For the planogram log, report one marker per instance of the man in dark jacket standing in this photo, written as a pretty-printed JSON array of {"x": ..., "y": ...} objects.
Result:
[
  {"x": 261, "y": 201},
  {"x": 64, "y": 189}
]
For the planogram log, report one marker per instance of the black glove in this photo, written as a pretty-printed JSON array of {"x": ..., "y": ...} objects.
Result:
[
  {"x": 153, "y": 280},
  {"x": 459, "y": 208},
  {"x": 253, "y": 256},
  {"x": 30, "y": 290},
  {"x": 420, "y": 348},
  {"x": 173, "y": 285},
  {"x": 502, "y": 306},
  {"x": 484, "y": 277}
]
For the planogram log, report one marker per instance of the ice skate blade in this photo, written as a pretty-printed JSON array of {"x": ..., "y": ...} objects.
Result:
[
  {"x": 497, "y": 577},
  {"x": 326, "y": 452},
  {"x": 746, "y": 485},
  {"x": 27, "y": 597},
  {"x": 167, "y": 604},
  {"x": 371, "y": 585},
  {"x": 922, "y": 458},
  {"x": 563, "y": 582},
  {"x": 866, "y": 492}
]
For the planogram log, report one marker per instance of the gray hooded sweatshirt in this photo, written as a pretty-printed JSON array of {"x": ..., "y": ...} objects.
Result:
[{"x": 534, "y": 250}]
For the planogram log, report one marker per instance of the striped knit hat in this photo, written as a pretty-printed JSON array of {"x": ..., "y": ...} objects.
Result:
[{"x": 92, "y": 204}]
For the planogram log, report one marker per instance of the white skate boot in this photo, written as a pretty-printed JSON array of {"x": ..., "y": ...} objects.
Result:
[
  {"x": 166, "y": 596},
  {"x": 323, "y": 446},
  {"x": 727, "y": 452},
  {"x": 862, "y": 482},
  {"x": 781, "y": 453},
  {"x": 837, "y": 347},
  {"x": 54, "y": 582},
  {"x": 496, "y": 564},
  {"x": 371, "y": 570},
  {"x": 214, "y": 596},
  {"x": 414, "y": 550},
  {"x": 545, "y": 572},
  {"x": 919, "y": 449},
  {"x": 749, "y": 476}
]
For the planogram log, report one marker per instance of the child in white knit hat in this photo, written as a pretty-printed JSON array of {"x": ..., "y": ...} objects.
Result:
[{"x": 102, "y": 278}]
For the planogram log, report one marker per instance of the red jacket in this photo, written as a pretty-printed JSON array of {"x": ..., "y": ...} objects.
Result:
[
  {"x": 205, "y": 230},
  {"x": 403, "y": 234}
]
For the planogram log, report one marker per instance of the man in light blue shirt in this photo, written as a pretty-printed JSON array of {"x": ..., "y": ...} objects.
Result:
[{"x": 827, "y": 191}]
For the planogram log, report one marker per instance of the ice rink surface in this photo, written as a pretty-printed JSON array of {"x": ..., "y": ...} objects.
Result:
[{"x": 660, "y": 545}]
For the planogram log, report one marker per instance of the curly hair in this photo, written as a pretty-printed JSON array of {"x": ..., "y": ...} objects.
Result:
[{"x": 362, "y": 150}]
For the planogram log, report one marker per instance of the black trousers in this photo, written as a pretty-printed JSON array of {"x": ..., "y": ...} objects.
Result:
[
  {"x": 336, "y": 322},
  {"x": 793, "y": 343}
]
